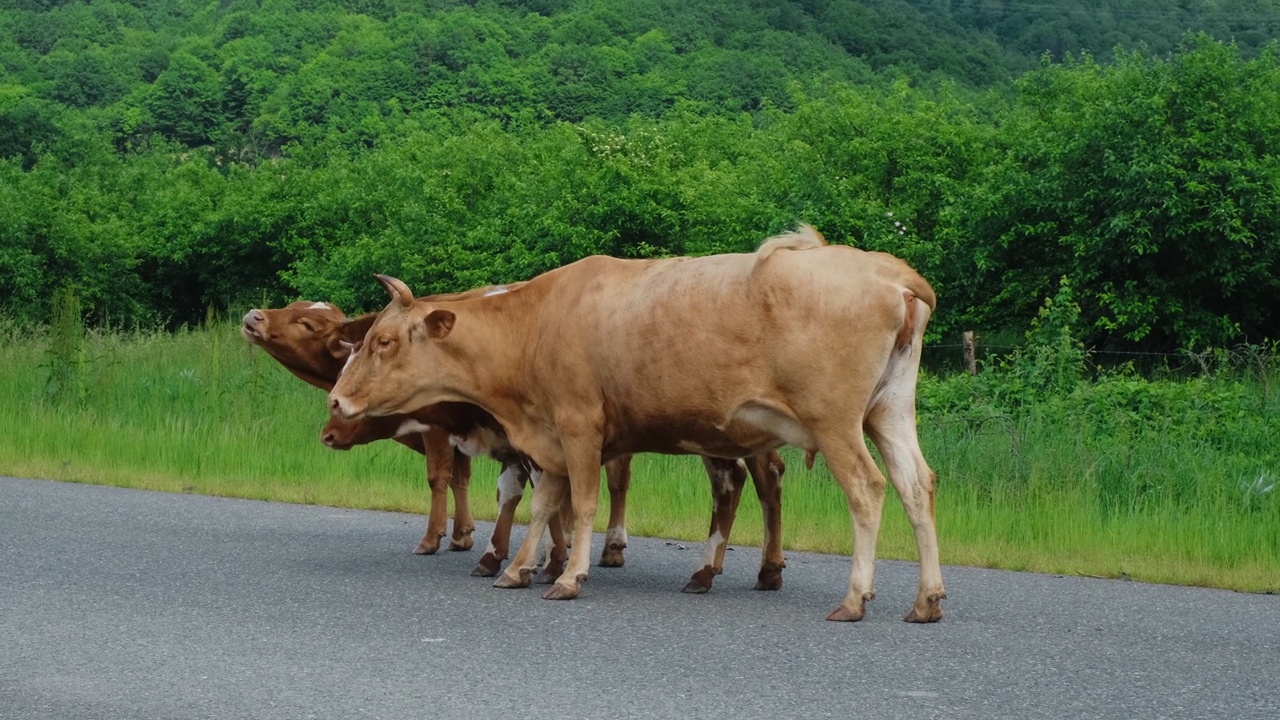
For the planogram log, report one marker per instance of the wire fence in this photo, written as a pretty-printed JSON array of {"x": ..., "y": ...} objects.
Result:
[
  {"x": 1257, "y": 359},
  {"x": 1010, "y": 348}
]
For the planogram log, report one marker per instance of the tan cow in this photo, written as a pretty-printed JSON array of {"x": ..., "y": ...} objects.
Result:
[
  {"x": 800, "y": 343},
  {"x": 307, "y": 338}
]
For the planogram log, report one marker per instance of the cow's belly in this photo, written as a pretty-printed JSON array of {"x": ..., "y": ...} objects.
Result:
[{"x": 752, "y": 428}]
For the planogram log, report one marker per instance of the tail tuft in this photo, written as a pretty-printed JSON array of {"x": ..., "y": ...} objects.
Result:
[{"x": 804, "y": 237}]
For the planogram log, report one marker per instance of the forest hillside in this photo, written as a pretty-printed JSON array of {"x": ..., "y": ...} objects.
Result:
[{"x": 168, "y": 158}]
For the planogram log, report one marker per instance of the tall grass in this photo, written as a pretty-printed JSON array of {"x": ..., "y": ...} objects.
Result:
[{"x": 1170, "y": 481}]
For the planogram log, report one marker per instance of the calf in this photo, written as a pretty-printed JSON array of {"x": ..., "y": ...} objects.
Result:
[
  {"x": 799, "y": 343},
  {"x": 306, "y": 338}
]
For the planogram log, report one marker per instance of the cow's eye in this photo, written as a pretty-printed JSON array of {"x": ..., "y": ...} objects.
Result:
[
  {"x": 310, "y": 326},
  {"x": 384, "y": 341}
]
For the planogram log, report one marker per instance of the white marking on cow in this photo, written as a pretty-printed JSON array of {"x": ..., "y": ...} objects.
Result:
[
  {"x": 615, "y": 536},
  {"x": 490, "y": 549},
  {"x": 709, "y": 550},
  {"x": 411, "y": 426},
  {"x": 482, "y": 441},
  {"x": 510, "y": 485},
  {"x": 319, "y": 306},
  {"x": 692, "y": 447},
  {"x": 496, "y": 290},
  {"x": 722, "y": 481}
]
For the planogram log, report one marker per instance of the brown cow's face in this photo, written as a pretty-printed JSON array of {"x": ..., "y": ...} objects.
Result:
[
  {"x": 379, "y": 378},
  {"x": 300, "y": 333},
  {"x": 341, "y": 434},
  {"x": 307, "y": 338}
]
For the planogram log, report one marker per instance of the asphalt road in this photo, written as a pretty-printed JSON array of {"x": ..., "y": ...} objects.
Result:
[{"x": 120, "y": 604}]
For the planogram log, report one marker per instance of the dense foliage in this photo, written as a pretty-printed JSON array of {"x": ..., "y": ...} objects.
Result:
[{"x": 164, "y": 157}]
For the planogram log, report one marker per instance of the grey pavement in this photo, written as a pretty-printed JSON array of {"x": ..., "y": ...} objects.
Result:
[{"x": 123, "y": 604}]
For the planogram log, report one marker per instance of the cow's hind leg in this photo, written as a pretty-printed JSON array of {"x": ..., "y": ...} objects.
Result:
[
  {"x": 766, "y": 475},
  {"x": 618, "y": 473},
  {"x": 727, "y": 478},
  {"x": 894, "y": 433},
  {"x": 863, "y": 486},
  {"x": 510, "y": 489},
  {"x": 463, "y": 524}
]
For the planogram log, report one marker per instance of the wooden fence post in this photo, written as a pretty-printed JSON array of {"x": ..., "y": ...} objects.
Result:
[{"x": 970, "y": 352}]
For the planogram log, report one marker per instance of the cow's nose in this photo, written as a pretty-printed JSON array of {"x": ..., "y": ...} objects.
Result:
[
  {"x": 327, "y": 438},
  {"x": 253, "y": 317}
]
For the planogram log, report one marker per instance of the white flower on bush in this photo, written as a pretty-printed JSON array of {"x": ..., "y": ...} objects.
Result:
[{"x": 898, "y": 225}]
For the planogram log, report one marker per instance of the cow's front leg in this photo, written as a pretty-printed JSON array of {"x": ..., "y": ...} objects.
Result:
[
  {"x": 727, "y": 478},
  {"x": 463, "y": 523},
  {"x": 584, "y": 484},
  {"x": 439, "y": 459},
  {"x": 510, "y": 489},
  {"x": 766, "y": 474},
  {"x": 546, "y": 498}
]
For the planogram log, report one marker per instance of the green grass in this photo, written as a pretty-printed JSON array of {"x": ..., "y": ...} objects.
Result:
[{"x": 1163, "y": 482}]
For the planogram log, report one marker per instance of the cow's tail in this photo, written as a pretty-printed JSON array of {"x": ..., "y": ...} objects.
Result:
[
  {"x": 804, "y": 237},
  {"x": 921, "y": 302}
]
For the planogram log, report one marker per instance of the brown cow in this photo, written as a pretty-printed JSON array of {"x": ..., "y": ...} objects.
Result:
[
  {"x": 307, "y": 338},
  {"x": 484, "y": 437},
  {"x": 800, "y": 343}
]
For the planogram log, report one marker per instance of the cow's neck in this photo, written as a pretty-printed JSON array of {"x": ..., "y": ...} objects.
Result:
[
  {"x": 313, "y": 380},
  {"x": 488, "y": 352},
  {"x": 310, "y": 375}
]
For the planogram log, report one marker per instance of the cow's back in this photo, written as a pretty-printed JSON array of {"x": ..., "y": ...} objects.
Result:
[{"x": 676, "y": 345}]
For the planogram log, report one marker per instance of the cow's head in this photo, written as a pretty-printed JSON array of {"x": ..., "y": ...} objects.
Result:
[
  {"x": 308, "y": 338},
  {"x": 343, "y": 434},
  {"x": 383, "y": 373}
]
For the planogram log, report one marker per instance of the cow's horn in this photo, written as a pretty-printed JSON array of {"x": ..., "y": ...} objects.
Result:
[{"x": 399, "y": 291}]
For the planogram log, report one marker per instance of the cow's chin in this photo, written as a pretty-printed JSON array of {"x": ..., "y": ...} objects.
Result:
[{"x": 251, "y": 334}]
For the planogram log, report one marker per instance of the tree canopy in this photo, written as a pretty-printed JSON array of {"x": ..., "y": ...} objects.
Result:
[{"x": 164, "y": 157}]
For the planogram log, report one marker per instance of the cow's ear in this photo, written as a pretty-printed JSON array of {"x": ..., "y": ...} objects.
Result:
[
  {"x": 354, "y": 329},
  {"x": 439, "y": 323},
  {"x": 337, "y": 347}
]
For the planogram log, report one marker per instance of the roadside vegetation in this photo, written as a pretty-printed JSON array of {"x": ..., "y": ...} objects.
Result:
[{"x": 1044, "y": 462}]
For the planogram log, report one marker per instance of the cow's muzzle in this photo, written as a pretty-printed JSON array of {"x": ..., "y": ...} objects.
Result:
[
  {"x": 343, "y": 407},
  {"x": 331, "y": 439},
  {"x": 253, "y": 322}
]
